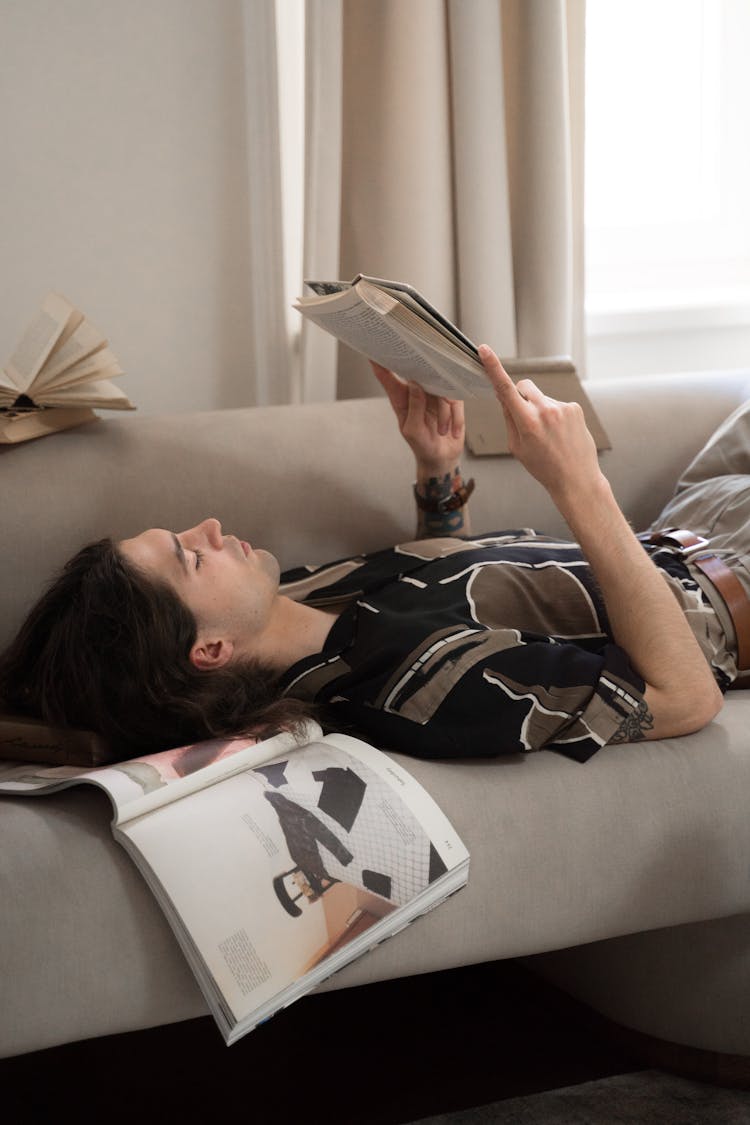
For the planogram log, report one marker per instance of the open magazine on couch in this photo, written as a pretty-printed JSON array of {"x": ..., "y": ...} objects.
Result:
[{"x": 276, "y": 862}]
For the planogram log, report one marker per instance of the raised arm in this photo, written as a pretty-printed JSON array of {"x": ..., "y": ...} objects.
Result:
[
  {"x": 551, "y": 440},
  {"x": 434, "y": 429}
]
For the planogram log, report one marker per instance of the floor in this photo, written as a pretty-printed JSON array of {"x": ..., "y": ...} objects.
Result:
[
  {"x": 645, "y": 1097},
  {"x": 384, "y": 1054}
]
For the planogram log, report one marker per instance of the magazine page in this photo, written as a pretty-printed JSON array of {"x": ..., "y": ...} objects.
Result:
[
  {"x": 138, "y": 785},
  {"x": 278, "y": 875}
]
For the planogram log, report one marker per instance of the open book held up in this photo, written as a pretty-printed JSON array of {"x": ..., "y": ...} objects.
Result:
[
  {"x": 392, "y": 323},
  {"x": 276, "y": 863},
  {"x": 60, "y": 371}
]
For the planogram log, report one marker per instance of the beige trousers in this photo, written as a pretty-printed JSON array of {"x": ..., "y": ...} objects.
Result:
[{"x": 712, "y": 499}]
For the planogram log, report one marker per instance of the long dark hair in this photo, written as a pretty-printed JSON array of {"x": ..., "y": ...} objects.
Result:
[{"x": 107, "y": 649}]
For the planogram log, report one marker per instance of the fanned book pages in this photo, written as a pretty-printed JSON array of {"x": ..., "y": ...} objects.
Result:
[
  {"x": 392, "y": 323},
  {"x": 276, "y": 863},
  {"x": 60, "y": 372}
]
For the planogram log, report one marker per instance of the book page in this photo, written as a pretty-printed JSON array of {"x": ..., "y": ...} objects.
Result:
[
  {"x": 413, "y": 299},
  {"x": 408, "y": 296},
  {"x": 99, "y": 393},
  {"x": 9, "y": 392},
  {"x": 277, "y": 875},
  {"x": 139, "y": 785},
  {"x": 102, "y": 364},
  {"x": 37, "y": 341},
  {"x": 445, "y": 357},
  {"x": 84, "y": 342},
  {"x": 392, "y": 329},
  {"x": 75, "y": 319},
  {"x": 352, "y": 320}
]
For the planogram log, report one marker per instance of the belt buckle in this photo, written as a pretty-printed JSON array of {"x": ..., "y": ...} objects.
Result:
[
  {"x": 694, "y": 548},
  {"x": 677, "y": 539}
]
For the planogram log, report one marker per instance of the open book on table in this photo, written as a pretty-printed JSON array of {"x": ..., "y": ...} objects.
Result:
[
  {"x": 392, "y": 323},
  {"x": 277, "y": 862},
  {"x": 61, "y": 370}
]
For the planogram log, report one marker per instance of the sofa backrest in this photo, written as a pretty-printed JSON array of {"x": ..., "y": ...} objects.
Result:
[{"x": 311, "y": 482}]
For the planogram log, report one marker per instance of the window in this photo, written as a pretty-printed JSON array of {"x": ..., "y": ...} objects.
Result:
[{"x": 667, "y": 165}]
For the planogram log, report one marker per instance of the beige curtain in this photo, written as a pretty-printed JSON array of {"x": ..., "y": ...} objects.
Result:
[
  {"x": 456, "y": 127},
  {"x": 270, "y": 360},
  {"x": 323, "y": 156}
]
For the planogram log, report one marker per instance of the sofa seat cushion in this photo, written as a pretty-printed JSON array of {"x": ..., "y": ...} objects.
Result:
[{"x": 645, "y": 835}]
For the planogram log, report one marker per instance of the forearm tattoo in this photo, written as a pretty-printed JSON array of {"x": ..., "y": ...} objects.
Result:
[
  {"x": 634, "y": 727},
  {"x": 435, "y": 524}
]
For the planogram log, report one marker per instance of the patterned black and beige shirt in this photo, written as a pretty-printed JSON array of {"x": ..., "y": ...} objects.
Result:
[{"x": 450, "y": 648}]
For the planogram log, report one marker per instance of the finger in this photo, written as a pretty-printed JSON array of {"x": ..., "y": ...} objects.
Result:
[
  {"x": 513, "y": 402},
  {"x": 457, "y": 417},
  {"x": 503, "y": 385},
  {"x": 516, "y": 406},
  {"x": 514, "y": 436},
  {"x": 444, "y": 412},
  {"x": 394, "y": 386},
  {"x": 417, "y": 405},
  {"x": 384, "y": 374},
  {"x": 528, "y": 389}
]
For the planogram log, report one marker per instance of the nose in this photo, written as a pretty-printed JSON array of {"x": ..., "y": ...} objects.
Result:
[
  {"x": 211, "y": 528},
  {"x": 208, "y": 530}
]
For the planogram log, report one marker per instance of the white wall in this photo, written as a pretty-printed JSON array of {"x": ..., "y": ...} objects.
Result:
[{"x": 124, "y": 186}]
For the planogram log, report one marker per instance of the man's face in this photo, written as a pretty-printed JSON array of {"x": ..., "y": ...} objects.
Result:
[{"x": 229, "y": 588}]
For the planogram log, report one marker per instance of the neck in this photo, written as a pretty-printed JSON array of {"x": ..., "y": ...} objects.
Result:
[{"x": 297, "y": 631}]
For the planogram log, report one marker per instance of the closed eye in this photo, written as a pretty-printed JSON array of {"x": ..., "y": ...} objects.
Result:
[{"x": 198, "y": 559}]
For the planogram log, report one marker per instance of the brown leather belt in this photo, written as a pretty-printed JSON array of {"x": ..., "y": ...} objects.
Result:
[{"x": 726, "y": 583}]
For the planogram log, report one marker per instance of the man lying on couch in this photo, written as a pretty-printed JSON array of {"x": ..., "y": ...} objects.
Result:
[{"x": 444, "y": 647}]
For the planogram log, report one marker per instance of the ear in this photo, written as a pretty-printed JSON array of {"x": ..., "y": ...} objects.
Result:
[{"x": 209, "y": 655}]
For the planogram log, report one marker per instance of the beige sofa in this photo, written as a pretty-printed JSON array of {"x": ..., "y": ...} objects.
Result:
[{"x": 626, "y": 880}]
